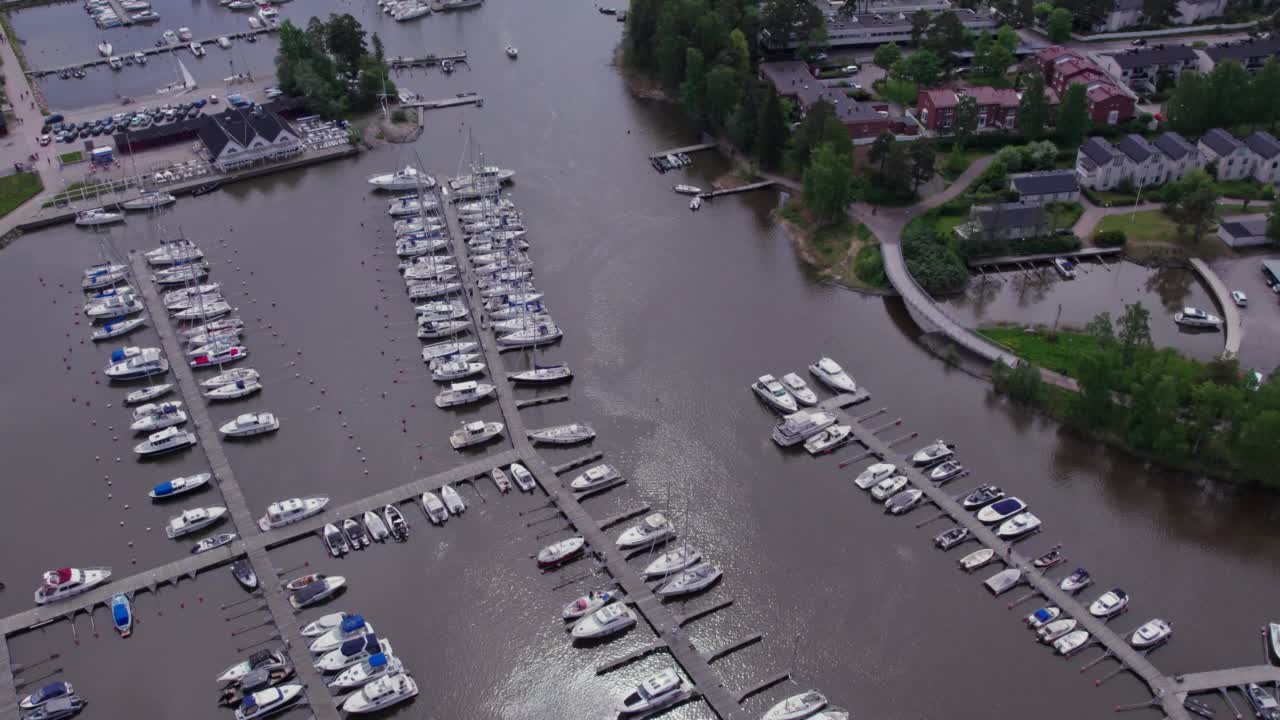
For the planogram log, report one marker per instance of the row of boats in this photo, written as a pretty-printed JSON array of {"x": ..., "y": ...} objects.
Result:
[{"x": 802, "y": 422}]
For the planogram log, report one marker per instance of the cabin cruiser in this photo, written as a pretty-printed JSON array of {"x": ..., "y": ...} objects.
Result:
[
  {"x": 833, "y": 376},
  {"x": 608, "y": 620},
  {"x": 594, "y": 477},
  {"x": 290, "y": 511},
  {"x": 1071, "y": 642},
  {"x": 946, "y": 472},
  {"x": 889, "y": 486},
  {"x": 249, "y": 424},
  {"x": 213, "y": 542},
  {"x": 695, "y": 578},
  {"x": 1152, "y": 633},
  {"x": 1056, "y": 629},
  {"x": 375, "y": 526},
  {"x": 231, "y": 377},
  {"x": 49, "y": 692},
  {"x": 1001, "y": 511},
  {"x": 407, "y": 179},
  {"x": 148, "y": 393},
  {"x": 1197, "y": 318},
  {"x": 1076, "y": 581},
  {"x": 1109, "y": 603},
  {"x": 514, "y": 324},
  {"x": 655, "y": 528},
  {"x": 98, "y": 216},
  {"x": 870, "y": 477},
  {"x": 335, "y": 540},
  {"x": 268, "y": 702},
  {"x": 797, "y": 707},
  {"x": 406, "y": 206},
  {"x": 474, "y": 433},
  {"x": 260, "y": 660},
  {"x": 570, "y": 434},
  {"x": 522, "y": 477},
  {"x": 541, "y": 333},
  {"x": 801, "y": 425},
  {"x": 829, "y": 439},
  {"x": 1018, "y": 526},
  {"x": 981, "y": 496},
  {"x": 234, "y": 391},
  {"x": 350, "y": 627},
  {"x": 323, "y": 624},
  {"x": 977, "y": 559},
  {"x": 587, "y": 604},
  {"x": 932, "y": 454},
  {"x": 1264, "y": 705},
  {"x": 376, "y": 666},
  {"x": 167, "y": 440},
  {"x": 234, "y": 694},
  {"x": 158, "y": 417},
  {"x": 799, "y": 389},
  {"x": 117, "y": 328},
  {"x": 172, "y": 252},
  {"x": 1065, "y": 268},
  {"x": 452, "y": 500},
  {"x": 179, "y": 485},
  {"x": 948, "y": 539},
  {"x": 560, "y": 552},
  {"x": 193, "y": 520},
  {"x": 318, "y": 591},
  {"x": 68, "y": 582},
  {"x": 1002, "y": 581},
  {"x": 464, "y": 393},
  {"x": 436, "y": 512},
  {"x": 659, "y": 691},
  {"x": 59, "y": 708},
  {"x": 672, "y": 561},
  {"x": 767, "y": 388},
  {"x": 904, "y": 501},
  {"x": 149, "y": 201},
  {"x": 1043, "y": 616},
  {"x": 381, "y": 693},
  {"x": 456, "y": 370},
  {"x": 444, "y": 349},
  {"x": 174, "y": 296},
  {"x": 115, "y": 306},
  {"x": 190, "y": 300}
]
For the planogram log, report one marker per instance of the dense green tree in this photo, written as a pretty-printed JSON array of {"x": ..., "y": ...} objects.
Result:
[
  {"x": 828, "y": 187},
  {"x": 771, "y": 137},
  {"x": 639, "y": 33},
  {"x": 1042, "y": 10},
  {"x": 711, "y": 36},
  {"x": 308, "y": 65},
  {"x": 1188, "y": 107},
  {"x": 1033, "y": 108},
  {"x": 344, "y": 39},
  {"x": 741, "y": 126},
  {"x": 836, "y": 134},
  {"x": 1059, "y": 25},
  {"x": 1257, "y": 450},
  {"x": 1273, "y": 222},
  {"x": 879, "y": 150},
  {"x": 886, "y": 55},
  {"x": 991, "y": 58},
  {"x": 920, "y": 21},
  {"x": 721, "y": 95},
  {"x": 966, "y": 120},
  {"x": 923, "y": 156},
  {"x": 739, "y": 55},
  {"x": 1229, "y": 93},
  {"x": 782, "y": 19},
  {"x": 1007, "y": 38},
  {"x": 921, "y": 67},
  {"x": 1192, "y": 202},
  {"x": 896, "y": 175},
  {"x": 1158, "y": 12},
  {"x": 1101, "y": 330},
  {"x": 946, "y": 35},
  {"x": 1073, "y": 116},
  {"x": 1134, "y": 332},
  {"x": 693, "y": 91},
  {"x": 1264, "y": 91}
]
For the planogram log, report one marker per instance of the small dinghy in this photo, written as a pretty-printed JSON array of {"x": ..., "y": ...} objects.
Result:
[
  {"x": 122, "y": 615},
  {"x": 608, "y": 620},
  {"x": 691, "y": 580},
  {"x": 323, "y": 624},
  {"x": 542, "y": 375},
  {"x": 946, "y": 472},
  {"x": 657, "y": 692},
  {"x": 179, "y": 485},
  {"x": 827, "y": 440},
  {"x": 655, "y": 528},
  {"x": 1056, "y": 629},
  {"x": 380, "y": 693},
  {"x": 799, "y": 389},
  {"x": 355, "y": 534},
  {"x": 378, "y": 665},
  {"x": 335, "y": 540},
  {"x": 452, "y": 500},
  {"x": 523, "y": 478},
  {"x": 833, "y": 376},
  {"x": 687, "y": 190},
  {"x": 595, "y": 477},
  {"x": 904, "y": 501},
  {"x": 1071, "y": 642},
  {"x": 872, "y": 476},
  {"x": 49, "y": 692},
  {"x": 193, "y": 520},
  {"x": 587, "y": 604},
  {"x": 474, "y": 433},
  {"x": 244, "y": 574},
  {"x": 396, "y": 524},
  {"x": 1110, "y": 604},
  {"x": 250, "y": 424},
  {"x": 797, "y": 707},
  {"x": 1151, "y": 634},
  {"x": 1019, "y": 525},
  {"x": 932, "y": 454},
  {"x": 117, "y": 329},
  {"x": 464, "y": 393},
  {"x": 977, "y": 559},
  {"x": 888, "y": 487},
  {"x": 352, "y": 651},
  {"x": 436, "y": 512},
  {"x": 1043, "y": 616},
  {"x": 1003, "y": 581},
  {"x": 213, "y": 542},
  {"x": 376, "y": 528},
  {"x": 500, "y": 480},
  {"x": 268, "y": 702},
  {"x": 231, "y": 377},
  {"x": 1078, "y": 580},
  {"x": 1049, "y": 559},
  {"x": 570, "y": 434},
  {"x": 148, "y": 394},
  {"x": 673, "y": 561},
  {"x": 316, "y": 592},
  {"x": 558, "y": 553},
  {"x": 352, "y": 626},
  {"x": 260, "y": 660},
  {"x": 981, "y": 496},
  {"x": 1000, "y": 511},
  {"x": 950, "y": 538},
  {"x": 234, "y": 391}
]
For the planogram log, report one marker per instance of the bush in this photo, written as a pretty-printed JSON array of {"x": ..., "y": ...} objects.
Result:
[
  {"x": 1109, "y": 238},
  {"x": 982, "y": 141},
  {"x": 1022, "y": 383},
  {"x": 859, "y": 95},
  {"x": 930, "y": 258},
  {"x": 399, "y": 115},
  {"x": 868, "y": 266}
]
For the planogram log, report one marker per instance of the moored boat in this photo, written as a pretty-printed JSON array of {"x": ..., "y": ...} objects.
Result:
[
  {"x": 122, "y": 614},
  {"x": 829, "y": 439},
  {"x": 799, "y": 389},
  {"x": 179, "y": 485},
  {"x": 212, "y": 542},
  {"x": 193, "y": 520},
  {"x": 595, "y": 477},
  {"x": 68, "y": 582},
  {"x": 1109, "y": 604},
  {"x": 522, "y": 477},
  {"x": 318, "y": 591},
  {"x": 977, "y": 559},
  {"x": 833, "y": 376},
  {"x": 692, "y": 579},
  {"x": 1071, "y": 642},
  {"x": 1043, "y": 616},
  {"x": 376, "y": 666},
  {"x": 797, "y": 707},
  {"x": 1076, "y": 581},
  {"x": 1055, "y": 629},
  {"x": 570, "y": 434},
  {"x": 587, "y": 604},
  {"x": 284, "y": 512},
  {"x": 558, "y": 553},
  {"x": 1150, "y": 634},
  {"x": 655, "y": 693},
  {"x": 932, "y": 454},
  {"x": 872, "y": 476},
  {"x": 608, "y": 620}
]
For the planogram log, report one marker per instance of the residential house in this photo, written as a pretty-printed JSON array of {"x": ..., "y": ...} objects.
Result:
[
  {"x": 1108, "y": 103},
  {"x": 997, "y": 107},
  {"x": 1179, "y": 155},
  {"x": 239, "y": 138},
  {"x": 1144, "y": 163},
  {"x": 1129, "y": 13},
  {"x": 874, "y": 29},
  {"x": 793, "y": 79},
  {"x": 1141, "y": 68},
  {"x": 1194, "y": 11},
  {"x": 1244, "y": 231},
  {"x": 1006, "y": 221},
  {"x": 1230, "y": 158},
  {"x": 1099, "y": 165},
  {"x": 1266, "y": 156},
  {"x": 1046, "y": 186},
  {"x": 1252, "y": 53},
  {"x": 1124, "y": 14}
]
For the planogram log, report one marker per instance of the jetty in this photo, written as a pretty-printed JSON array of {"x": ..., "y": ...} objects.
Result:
[
  {"x": 762, "y": 185},
  {"x": 461, "y": 99},
  {"x": 184, "y": 47},
  {"x": 686, "y": 150},
  {"x": 405, "y": 61},
  {"x": 121, "y": 13},
  {"x": 1081, "y": 254}
]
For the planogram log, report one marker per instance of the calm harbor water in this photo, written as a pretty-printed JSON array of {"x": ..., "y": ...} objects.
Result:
[{"x": 668, "y": 316}]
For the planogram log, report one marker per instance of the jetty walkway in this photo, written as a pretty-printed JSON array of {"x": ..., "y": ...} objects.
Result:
[{"x": 185, "y": 46}]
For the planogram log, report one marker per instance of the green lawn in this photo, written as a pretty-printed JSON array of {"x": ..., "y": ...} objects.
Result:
[
  {"x": 17, "y": 189},
  {"x": 1251, "y": 189},
  {"x": 902, "y": 92},
  {"x": 1147, "y": 226},
  {"x": 70, "y": 158},
  {"x": 1064, "y": 214},
  {"x": 1061, "y": 352},
  {"x": 1106, "y": 198}
]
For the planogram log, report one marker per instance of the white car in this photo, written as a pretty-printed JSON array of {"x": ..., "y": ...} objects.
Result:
[
  {"x": 44, "y": 139},
  {"x": 1239, "y": 298},
  {"x": 851, "y": 68}
]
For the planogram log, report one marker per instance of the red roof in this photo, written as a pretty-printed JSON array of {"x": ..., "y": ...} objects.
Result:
[
  {"x": 1104, "y": 91},
  {"x": 1004, "y": 97},
  {"x": 1074, "y": 65},
  {"x": 939, "y": 98},
  {"x": 1050, "y": 54}
]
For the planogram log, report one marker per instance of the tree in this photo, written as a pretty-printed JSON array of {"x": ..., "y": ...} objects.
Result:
[
  {"x": 896, "y": 174},
  {"x": 1135, "y": 330},
  {"x": 1264, "y": 90},
  {"x": 1273, "y": 222},
  {"x": 739, "y": 54},
  {"x": 721, "y": 95},
  {"x": 815, "y": 42},
  {"x": 1041, "y": 10},
  {"x": 1073, "y": 116},
  {"x": 991, "y": 58},
  {"x": 1193, "y": 204},
  {"x": 784, "y": 19},
  {"x": 828, "y": 184},
  {"x": 1257, "y": 449},
  {"x": 1188, "y": 107},
  {"x": 1033, "y": 108},
  {"x": 946, "y": 34},
  {"x": 344, "y": 39},
  {"x": 966, "y": 120},
  {"x": 1229, "y": 93},
  {"x": 1024, "y": 13},
  {"x": 693, "y": 91},
  {"x": 923, "y": 156},
  {"x": 811, "y": 132},
  {"x": 771, "y": 138},
  {"x": 741, "y": 126},
  {"x": 1007, "y": 38},
  {"x": 886, "y": 55},
  {"x": 1059, "y": 25},
  {"x": 1100, "y": 329},
  {"x": 879, "y": 150},
  {"x": 921, "y": 67},
  {"x": 920, "y": 21}
]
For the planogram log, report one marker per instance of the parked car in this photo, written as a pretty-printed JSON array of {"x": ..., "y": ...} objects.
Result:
[
  {"x": 1139, "y": 42},
  {"x": 850, "y": 68},
  {"x": 1239, "y": 298},
  {"x": 44, "y": 139}
]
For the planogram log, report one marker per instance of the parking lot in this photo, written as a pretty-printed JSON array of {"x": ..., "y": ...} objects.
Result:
[{"x": 1260, "y": 349}]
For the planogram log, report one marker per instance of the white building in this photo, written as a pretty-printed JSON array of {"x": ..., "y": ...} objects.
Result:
[
  {"x": 1103, "y": 166},
  {"x": 1099, "y": 165},
  {"x": 238, "y": 138},
  {"x": 1231, "y": 158},
  {"x": 1266, "y": 156},
  {"x": 1180, "y": 156}
]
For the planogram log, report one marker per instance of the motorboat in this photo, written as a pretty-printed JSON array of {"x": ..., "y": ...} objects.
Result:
[
  {"x": 695, "y": 578},
  {"x": 696, "y": 203},
  {"x": 260, "y": 660},
  {"x": 234, "y": 391},
  {"x": 335, "y": 540},
  {"x": 540, "y": 333},
  {"x": 165, "y": 415},
  {"x": 436, "y": 512},
  {"x": 193, "y": 520},
  {"x": 214, "y": 327},
  {"x": 948, "y": 539},
  {"x": 1151, "y": 634},
  {"x": 587, "y": 604},
  {"x": 120, "y": 357},
  {"x": 149, "y": 201},
  {"x": 374, "y": 524},
  {"x": 318, "y": 591},
  {"x": 116, "y": 306},
  {"x": 464, "y": 393},
  {"x": 1055, "y": 629},
  {"x": 608, "y": 620},
  {"x": 351, "y": 626},
  {"x": 888, "y": 487},
  {"x": 1065, "y": 268},
  {"x": 351, "y": 652},
  {"x": 558, "y": 553},
  {"x": 542, "y": 375},
  {"x": 242, "y": 571},
  {"x": 946, "y": 472},
  {"x": 452, "y": 500},
  {"x": 444, "y": 349},
  {"x": 380, "y": 693},
  {"x": 797, "y": 707},
  {"x": 981, "y": 496},
  {"x": 407, "y": 179},
  {"x": 904, "y": 501},
  {"x": 1273, "y": 641},
  {"x": 98, "y": 216},
  {"x": 512, "y": 52},
  {"x": 570, "y": 434},
  {"x": 323, "y": 624},
  {"x": 231, "y": 377},
  {"x": 799, "y": 389},
  {"x": 1018, "y": 526},
  {"x": 1109, "y": 604},
  {"x": 801, "y": 425},
  {"x": 1049, "y": 559},
  {"x": 932, "y": 454},
  {"x": 595, "y": 477},
  {"x": 165, "y": 441},
  {"x": 46, "y": 693},
  {"x": 1264, "y": 704},
  {"x": 522, "y": 477},
  {"x": 250, "y": 424},
  {"x": 204, "y": 311},
  {"x": 213, "y": 542},
  {"x": 672, "y": 561},
  {"x": 224, "y": 355},
  {"x": 285, "y": 512},
  {"x": 179, "y": 486},
  {"x": 1000, "y": 511},
  {"x": 184, "y": 34},
  {"x": 355, "y": 534},
  {"x": 772, "y": 392},
  {"x": 122, "y": 614},
  {"x": 1197, "y": 318},
  {"x": 655, "y": 693},
  {"x": 152, "y": 409},
  {"x": 872, "y": 476},
  {"x": 832, "y": 714},
  {"x": 68, "y": 582},
  {"x": 148, "y": 394},
  {"x": 1043, "y": 616},
  {"x": 1078, "y": 580},
  {"x": 833, "y": 376},
  {"x": 977, "y": 559},
  {"x": 1071, "y": 642},
  {"x": 396, "y": 524},
  {"x": 117, "y": 328},
  {"x": 687, "y": 190},
  {"x": 235, "y": 693},
  {"x": 59, "y": 708},
  {"x": 268, "y": 702},
  {"x": 1004, "y": 580},
  {"x": 376, "y": 666},
  {"x": 827, "y": 440},
  {"x": 655, "y": 528},
  {"x": 500, "y": 480}
]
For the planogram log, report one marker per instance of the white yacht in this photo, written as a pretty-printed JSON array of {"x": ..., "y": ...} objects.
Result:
[
  {"x": 171, "y": 298},
  {"x": 834, "y": 376},
  {"x": 1195, "y": 317},
  {"x": 829, "y": 439},
  {"x": 474, "y": 433},
  {"x": 407, "y": 179},
  {"x": 1071, "y": 642},
  {"x": 540, "y": 333},
  {"x": 608, "y": 620},
  {"x": 933, "y": 454},
  {"x": 445, "y": 349},
  {"x": 654, "y": 529},
  {"x": 170, "y": 37},
  {"x": 870, "y": 477},
  {"x": 192, "y": 520},
  {"x": 523, "y": 478},
  {"x": 249, "y": 424},
  {"x": 264, "y": 703},
  {"x": 799, "y": 389},
  {"x": 184, "y": 34},
  {"x": 801, "y": 425},
  {"x": 888, "y": 487},
  {"x": 231, "y": 377},
  {"x": 1109, "y": 603},
  {"x": 797, "y": 706},
  {"x": 436, "y": 512},
  {"x": 117, "y": 328},
  {"x": 115, "y": 306},
  {"x": 352, "y": 626},
  {"x": 570, "y": 434},
  {"x": 104, "y": 276},
  {"x": 144, "y": 364},
  {"x": 381, "y": 693},
  {"x": 181, "y": 274},
  {"x": 456, "y": 370},
  {"x": 1000, "y": 511},
  {"x": 768, "y": 389},
  {"x": 165, "y": 441},
  {"x": 63, "y": 583},
  {"x": 174, "y": 252},
  {"x": 594, "y": 477},
  {"x": 378, "y": 665},
  {"x": 659, "y": 691},
  {"x": 292, "y": 510},
  {"x": 323, "y": 624},
  {"x": 464, "y": 393},
  {"x": 235, "y": 390},
  {"x": 672, "y": 561},
  {"x": 204, "y": 311},
  {"x": 149, "y": 201},
  {"x": 148, "y": 394},
  {"x": 179, "y": 486},
  {"x": 452, "y": 500},
  {"x": 214, "y": 327},
  {"x": 260, "y": 660},
  {"x": 1018, "y": 526},
  {"x": 1152, "y": 633},
  {"x": 351, "y": 652},
  {"x": 162, "y": 416},
  {"x": 319, "y": 590},
  {"x": 695, "y": 578},
  {"x": 560, "y": 552},
  {"x": 98, "y": 216}
]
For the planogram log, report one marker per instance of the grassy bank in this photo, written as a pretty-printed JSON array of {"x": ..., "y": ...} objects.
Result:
[
  {"x": 1060, "y": 352},
  {"x": 16, "y": 189},
  {"x": 845, "y": 252}
]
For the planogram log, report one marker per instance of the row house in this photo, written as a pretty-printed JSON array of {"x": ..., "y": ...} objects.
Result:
[
  {"x": 1141, "y": 68},
  {"x": 1230, "y": 158},
  {"x": 997, "y": 107},
  {"x": 1266, "y": 156},
  {"x": 1046, "y": 186},
  {"x": 1252, "y": 53},
  {"x": 1109, "y": 103},
  {"x": 1103, "y": 166}
]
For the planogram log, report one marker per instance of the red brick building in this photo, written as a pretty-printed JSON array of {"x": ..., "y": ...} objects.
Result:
[
  {"x": 1109, "y": 103},
  {"x": 997, "y": 107}
]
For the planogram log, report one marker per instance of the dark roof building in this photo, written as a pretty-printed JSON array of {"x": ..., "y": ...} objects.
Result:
[
  {"x": 1046, "y": 183},
  {"x": 240, "y": 126},
  {"x": 1220, "y": 141},
  {"x": 1136, "y": 148},
  {"x": 1244, "y": 231},
  {"x": 1263, "y": 144},
  {"x": 1252, "y": 53},
  {"x": 1098, "y": 151},
  {"x": 1160, "y": 55},
  {"x": 1174, "y": 145}
]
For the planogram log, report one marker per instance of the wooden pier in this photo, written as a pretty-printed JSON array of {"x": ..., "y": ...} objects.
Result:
[
  {"x": 408, "y": 61},
  {"x": 686, "y": 150},
  {"x": 629, "y": 658},
  {"x": 544, "y": 400},
  {"x": 463, "y": 99},
  {"x": 574, "y": 464},
  {"x": 121, "y": 13},
  {"x": 149, "y": 52},
  {"x": 762, "y": 185},
  {"x": 1081, "y": 254}
]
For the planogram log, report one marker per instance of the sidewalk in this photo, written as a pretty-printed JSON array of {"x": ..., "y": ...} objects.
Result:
[{"x": 21, "y": 141}]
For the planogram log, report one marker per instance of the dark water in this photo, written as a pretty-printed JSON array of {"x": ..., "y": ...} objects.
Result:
[{"x": 668, "y": 316}]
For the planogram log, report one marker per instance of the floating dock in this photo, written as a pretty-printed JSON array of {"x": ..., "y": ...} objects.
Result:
[
  {"x": 463, "y": 99},
  {"x": 1081, "y": 254},
  {"x": 406, "y": 61},
  {"x": 686, "y": 150},
  {"x": 183, "y": 47},
  {"x": 762, "y": 185}
]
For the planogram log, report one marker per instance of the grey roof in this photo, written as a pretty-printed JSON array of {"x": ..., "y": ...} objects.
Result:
[
  {"x": 1220, "y": 141},
  {"x": 1173, "y": 145},
  {"x": 1045, "y": 182},
  {"x": 1136, "y": 147},
  {"x": 1128, "y": 5},
  {"x": 1010, "y": 215},
  {"x": 1245, "y": 225},
  {"x": 1162, "y": 55},
  {"x": 1245, "y": 49},
  {"x": 1263, "y": 144},
  {"x": 217, "y": 129},
  {"x": 1273, "y": 267},
  {"x": 1098, "y": 150}
]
